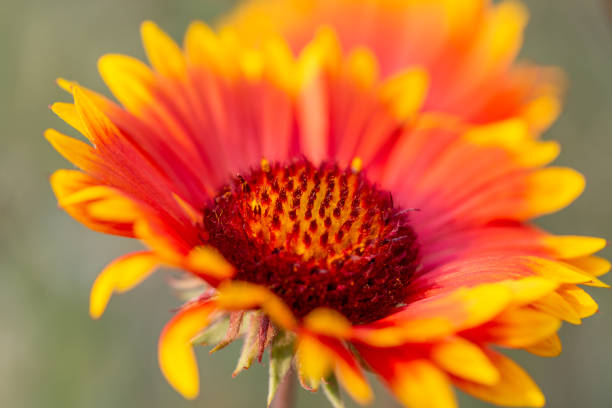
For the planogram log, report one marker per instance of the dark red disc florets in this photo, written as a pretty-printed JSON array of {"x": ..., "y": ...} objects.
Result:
[{"x": 317, "y": 237}]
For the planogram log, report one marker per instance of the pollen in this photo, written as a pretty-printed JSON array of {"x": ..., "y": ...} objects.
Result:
[{"x": 317, "y": 237}]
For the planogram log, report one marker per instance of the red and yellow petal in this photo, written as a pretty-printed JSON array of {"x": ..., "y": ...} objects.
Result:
[
  {"x": 176, "y": 357},
  {"x": 516, "y": 328},
  {"x": 129, "y": 79},
  {"x": 420, "y": 384},
  {"x": 94, "y": 204},
  {"x": 328, "y": 322},
  {"x": 164, "y": 54},
  {"x": 515, "y": 387},
  {"x": 548, "y": 347},
  {"x": 239, "y": 295},
  {"x": 120, "y": 276},
  {"x": 552, "y": 189},
  {"x": 415, "y": 381},
  {"x": 319, "y": 356},
  {"x": 464, "y": 359},
  {"x": 572, "y": 246}
]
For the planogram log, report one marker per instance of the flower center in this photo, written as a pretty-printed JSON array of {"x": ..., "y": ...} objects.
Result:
[{"x": 316, "y": 237}]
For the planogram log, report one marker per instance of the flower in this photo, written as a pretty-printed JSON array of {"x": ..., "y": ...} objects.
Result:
[
  {"x": 466, "y": 47},
  {"x": 333, "y": 220}
]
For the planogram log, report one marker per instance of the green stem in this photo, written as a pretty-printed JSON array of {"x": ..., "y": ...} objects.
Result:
[{"x": 286, "y": 392}]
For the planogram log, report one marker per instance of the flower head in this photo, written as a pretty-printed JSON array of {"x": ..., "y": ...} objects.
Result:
[{"x": 329, "y": 217}]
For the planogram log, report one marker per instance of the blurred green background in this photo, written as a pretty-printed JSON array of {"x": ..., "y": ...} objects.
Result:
[{"x": 53, "y": 355}]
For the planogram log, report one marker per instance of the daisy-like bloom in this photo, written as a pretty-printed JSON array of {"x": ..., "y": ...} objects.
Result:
[
  {"x": 467, "y": 48},
  {"x": 333, "y": 221}
]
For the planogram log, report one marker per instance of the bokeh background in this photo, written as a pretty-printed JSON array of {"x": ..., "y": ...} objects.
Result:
[{"x": 53, "y": 355}]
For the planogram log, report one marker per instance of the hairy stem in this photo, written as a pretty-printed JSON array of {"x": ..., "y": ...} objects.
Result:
[{"x": 286, "y": 392}]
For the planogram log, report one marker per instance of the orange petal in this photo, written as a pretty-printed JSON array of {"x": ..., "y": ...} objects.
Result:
[
  {"x": 513, "y": 136},
  {"x": 350, "y": 375},
  {"x": 161, "y": 245},
  {"x": 530, "y": 289},
  {"x": 483, "y": 302},
  {"x": 315, "y": 361},
  {"x": 279, "y": 63},
  {"x": 464, "y": 359},
  {"x": 100, "y": 100},
  {"x": 561, "y": 272},
  {"x": 98, "y": 127},
  {"x": 420, "y": 384},
  {"x": 129, "y": 79},
  {"x": 120, "y": 276},
  {"x": 78, "y": 153},
  {"x": 570, "y": 246},
  {"x": 555, "y": 305},
  {"x": 405, "y": 92},
  {"x": 208, "y": 261},
  {"x": 592, "y": 265},
  {"x": 67, "y": 186},
  {"x": 582, "y": 303},
  {"x": 204, "y": 49},
  {"x": 163, "y": 53},
  {"x": 542, "y": 111},
  {"x": 239, "y": 295},
  {"x": 67, "y": 112},
  {"x": 503, "y": 40},
  {"x": 515, "y": 387},
  {"x": 363, "y": 67},
  {"x": 319, "y": 355},
  {"x": 327, "y": 322},
  {"x": 176, "y": 357},
  {"x": 402, "y": 332},
  {"x": 549, "y": 347},
  {"x": 462, "y": 309},
  {"x": 103, "y": 203},
  {"x": 517, "y": 328},
  {"x": 552, "y": 189}
]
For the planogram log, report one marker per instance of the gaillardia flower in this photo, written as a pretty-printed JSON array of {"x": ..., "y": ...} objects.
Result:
[{"x": 333, "y": 220}]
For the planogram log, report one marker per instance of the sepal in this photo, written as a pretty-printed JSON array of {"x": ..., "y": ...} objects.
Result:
[
  {"x": 282, "y": 351},
  {"x": 331, "y": 389}
]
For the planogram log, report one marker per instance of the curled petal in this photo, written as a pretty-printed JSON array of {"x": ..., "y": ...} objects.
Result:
[
  {"x": 516, "y": 328},
  {"x": 549, "y": 347},
  {"x": 560, "y": 272},
  {"x": 76, "y": 152},
  {"x": 402, "y": 332},
  {"x": 209, "y": 262},
  {"x": 555, "y": 305},
  {"x": 318, "y": 356},
  {"x": 419, "y": 384},
  {"x": 515, "y": 387},
  {"x": 414, "y": 380},
  {"x": 120, "y": 276},
  {"x": 582, "y": 303},
  {"x": 67, "y": 112},
  {"x": 464, "y": 359},
  {"x": 327, "y": 322},
  {"x": 592, "y": 265},
  {"x": 243, "y": 296},
  {"x": 97, "y": 206},
  {"x": 176, "y": 357},
  {"x": 315, "y": 361}
]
